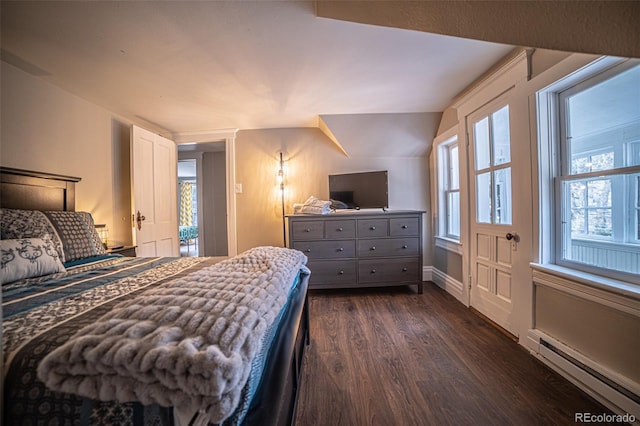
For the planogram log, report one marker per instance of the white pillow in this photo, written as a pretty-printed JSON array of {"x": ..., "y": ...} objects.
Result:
[{"x": 27, "y": 258}]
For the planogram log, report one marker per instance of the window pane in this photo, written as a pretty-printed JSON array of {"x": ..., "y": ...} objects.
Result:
[
  {"x": 634, "y": 154},
  {"x": 593, "y": 163},
  {"x": 502, "y": 191},
  {"x": 608, "y": 104},
  {"x": 483, "y": 198},
  {"x": 501, "y": 140},
  {"x": 578, "y": 192},
  {"x": 454, "y": 177},
  {"x": 603, "y": 161},
  {"x": 637, "y": 191},
  {"x": 599, "y": 193},
  {"x": 481, "y": 136},
  {"x": 589, "y": 236},
  {"x": 453, "y": 214},
  {"x": 578, "y": 222},
  {"x": 600, "y": 222},
  {"x": 448, "y": 190}
]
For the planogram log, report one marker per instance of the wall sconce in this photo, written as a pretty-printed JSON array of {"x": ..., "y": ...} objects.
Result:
[
  {"x": 281, "y": 182},
  {"x": 103, "y": 232}
]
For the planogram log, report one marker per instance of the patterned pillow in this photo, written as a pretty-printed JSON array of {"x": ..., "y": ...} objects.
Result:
[
  {"x": 77, "y": 233},
  {"x": 20, "y": 224},
  {"x": 27, "y": 258}
]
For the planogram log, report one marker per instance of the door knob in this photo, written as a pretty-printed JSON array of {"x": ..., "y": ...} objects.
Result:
[
  {"x": 511, "y": 236},
  {"x": 139, "y": 219}
]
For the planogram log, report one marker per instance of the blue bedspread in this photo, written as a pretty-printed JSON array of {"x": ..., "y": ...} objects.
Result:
[{"x": 40, "y": 314}]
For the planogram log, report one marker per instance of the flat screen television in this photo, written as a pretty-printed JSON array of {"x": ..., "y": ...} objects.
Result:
[{"x": 360, "y": 190}]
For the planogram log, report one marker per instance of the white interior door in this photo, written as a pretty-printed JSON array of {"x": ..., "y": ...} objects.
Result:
[
  {"x": 154, "y": 194},
  {"x": 493, "y": 218}
]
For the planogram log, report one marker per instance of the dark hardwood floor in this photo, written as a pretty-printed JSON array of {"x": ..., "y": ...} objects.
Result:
[{"x": 390, "y": 356}]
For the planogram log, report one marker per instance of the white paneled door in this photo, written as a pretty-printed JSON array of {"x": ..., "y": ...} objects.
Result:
[
  {"x": 154, "y": 188},
  {"x": 494, "y": 214}
]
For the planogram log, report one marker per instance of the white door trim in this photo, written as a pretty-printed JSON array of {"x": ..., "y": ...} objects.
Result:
[{"x": 229, "y": 138}]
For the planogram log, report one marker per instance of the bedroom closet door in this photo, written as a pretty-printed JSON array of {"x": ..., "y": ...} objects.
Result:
[{"x": 154, "y": 194}]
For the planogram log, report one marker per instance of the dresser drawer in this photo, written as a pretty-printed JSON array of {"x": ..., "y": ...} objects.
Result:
[
  {"x": 404, "y": 226},
  {"x": 307, "y": 230},
  {"x": 382, "y": 247},
  {"x": 370, "y": 228},
  {"x": 332, "y": 272},
  {"x": 389, "y": 270},
  {"x": 335, "y": 229},
  {"x": 337, "y": 249}
]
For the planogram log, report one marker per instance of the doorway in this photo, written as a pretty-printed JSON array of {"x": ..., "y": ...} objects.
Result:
[
  {"x": 202, "y": 173},
  {"x": 188, "y": 217}
]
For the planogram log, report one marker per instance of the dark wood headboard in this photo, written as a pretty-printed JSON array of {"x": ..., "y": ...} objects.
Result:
[{"x": 29, "y": 190}]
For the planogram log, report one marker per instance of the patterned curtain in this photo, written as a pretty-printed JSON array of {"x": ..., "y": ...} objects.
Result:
[{"x": 186, "y": 204}]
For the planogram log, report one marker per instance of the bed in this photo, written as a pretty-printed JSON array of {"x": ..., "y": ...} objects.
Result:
[{"x": 142, "y": 340}]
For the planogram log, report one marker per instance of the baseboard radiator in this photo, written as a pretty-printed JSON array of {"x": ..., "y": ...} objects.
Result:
[{"x": 621, "y": 398}]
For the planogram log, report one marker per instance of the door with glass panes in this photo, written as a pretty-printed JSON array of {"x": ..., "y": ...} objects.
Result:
[{"x": 493, "y": 239}]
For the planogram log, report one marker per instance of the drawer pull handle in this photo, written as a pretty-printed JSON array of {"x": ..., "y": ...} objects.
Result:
[
  {"x": 373, "y": 271},
  {"x": 341, "y": 249},
  {"x": 404, "y": 226},
  {"x": 373, "y": 247},
  {"x": 404, "y": 246},
  {"x": 340, "y": 229},
  {"x": 373, "y": 228},
  {"x": 404, "y": 269},
  {"x": 341, "y": 273},
  {"x": 307, "y": 230},
  {"x": 308, "y": 250}
]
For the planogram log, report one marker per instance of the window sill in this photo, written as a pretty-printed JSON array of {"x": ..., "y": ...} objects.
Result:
[
  {"x": 613, "y": 290},
  {"x": 449, "y": 244}
]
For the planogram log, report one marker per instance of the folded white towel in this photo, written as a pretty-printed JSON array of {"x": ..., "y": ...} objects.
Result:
[
  {"x": 315, "y": 210},
  {"x": 315, "y": 205}
]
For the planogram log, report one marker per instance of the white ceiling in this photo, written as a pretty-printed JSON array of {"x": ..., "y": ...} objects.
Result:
[{"x": 201, "y": 66}]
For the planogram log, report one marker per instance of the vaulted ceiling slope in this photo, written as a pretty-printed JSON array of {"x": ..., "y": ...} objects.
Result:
[
  {"x": 199, "y": 66},
  {"x": 596, "y": 26}
]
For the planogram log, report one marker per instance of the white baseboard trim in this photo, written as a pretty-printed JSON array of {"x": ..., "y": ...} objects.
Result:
[
  {"x": 447, "y": 283},
  {"x": 606, "y": 394},
  {"x": 427, "y": 273}
]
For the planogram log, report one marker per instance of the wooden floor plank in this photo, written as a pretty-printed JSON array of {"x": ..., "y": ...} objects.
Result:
[{"x": 390, "y": 356}]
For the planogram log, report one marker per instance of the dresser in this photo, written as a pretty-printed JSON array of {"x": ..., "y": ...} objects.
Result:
[{"x": 360, "y": 249}]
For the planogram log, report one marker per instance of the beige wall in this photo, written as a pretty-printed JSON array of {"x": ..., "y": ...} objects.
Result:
[
  {"x": 448, "y": 262},
  {"x": 311, "y": 156},
  {"x": 47, "y": 129},
  {"x": 608, "y": 336}
]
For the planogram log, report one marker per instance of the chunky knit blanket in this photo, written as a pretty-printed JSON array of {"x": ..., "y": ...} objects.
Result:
[{"x": 188, "y": 343}]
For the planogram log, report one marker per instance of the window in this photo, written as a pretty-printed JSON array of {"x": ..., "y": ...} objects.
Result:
[
  {"x": 492, "y": 150},
  {"x": 449, "y": 189},
  {"x": 598, "y": 179}
]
